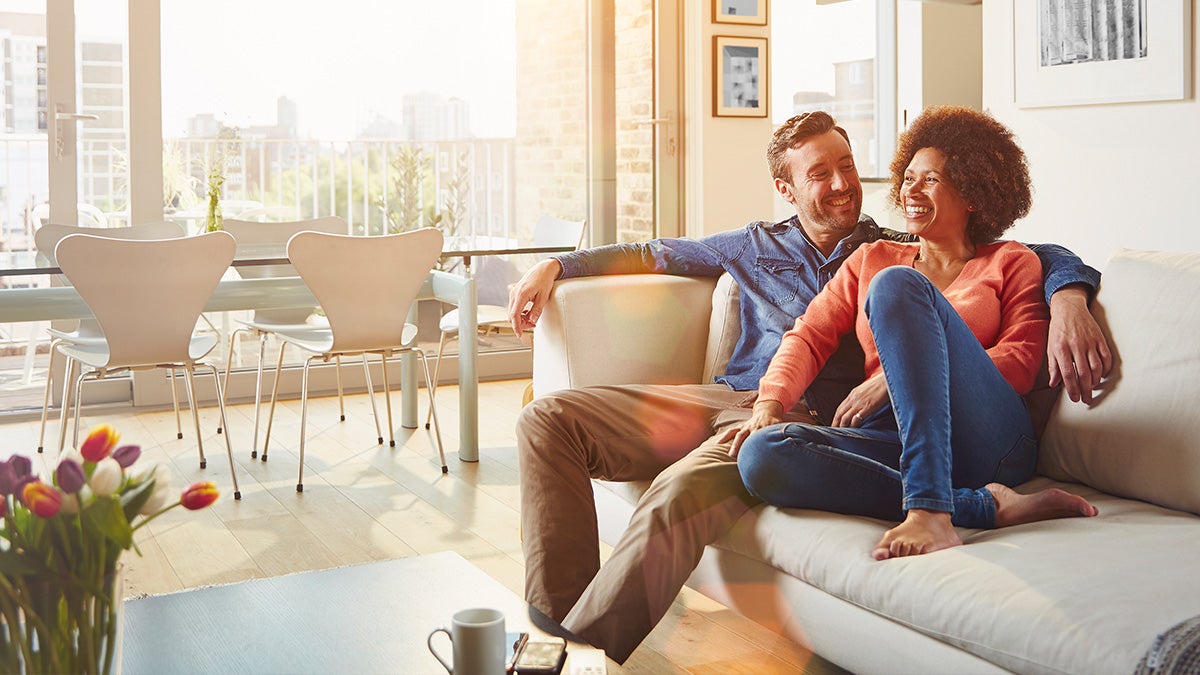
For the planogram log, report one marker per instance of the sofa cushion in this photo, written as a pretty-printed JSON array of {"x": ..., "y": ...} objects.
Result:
[
  {"x": 1078, "y": 595},
  {"x": 1139, "y": 437},
  {"x": 724, "y": 327}
]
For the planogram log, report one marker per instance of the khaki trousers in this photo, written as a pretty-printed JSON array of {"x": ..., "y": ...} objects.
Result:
[{"x": 666, "y": 434}]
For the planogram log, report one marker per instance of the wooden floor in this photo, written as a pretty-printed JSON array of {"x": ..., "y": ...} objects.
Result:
[{"x": 364, "y": 502}]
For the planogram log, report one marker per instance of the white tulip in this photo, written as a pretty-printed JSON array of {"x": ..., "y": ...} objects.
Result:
[
  {"x": 161, "y": 476},
  {"x": 106, "y": 479}
]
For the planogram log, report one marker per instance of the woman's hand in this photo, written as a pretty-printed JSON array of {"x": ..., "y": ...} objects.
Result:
[
  {"x": 765, "y": 414},
  {"x": 863, "y": 401}
]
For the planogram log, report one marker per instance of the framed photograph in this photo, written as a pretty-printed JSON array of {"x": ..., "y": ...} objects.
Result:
[
  {"x": 1104, "y": 51},
  {"x": 740, "y": 76},
  {"x": 749, "y": 12}
]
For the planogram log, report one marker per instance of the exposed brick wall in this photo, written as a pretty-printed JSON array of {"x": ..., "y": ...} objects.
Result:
[
  {"x": 551, "y": 144},
  {"x": 635, "y": 103}
]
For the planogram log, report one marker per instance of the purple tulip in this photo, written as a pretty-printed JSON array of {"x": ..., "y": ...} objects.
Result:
[
  {"x": 126, "y": 455},
  {"x": 7, "y": 478},
  {"x": 70, "y": 476},
  {"x": 15, "y": 473}
]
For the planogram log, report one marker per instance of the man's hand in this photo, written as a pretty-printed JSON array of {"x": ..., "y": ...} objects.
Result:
[
  {"x": 528, "y": 297},
  {"x": 1077, "y": 353},
  {"x": 862, "y": 401},
  {"x": 765, "y": 414}
]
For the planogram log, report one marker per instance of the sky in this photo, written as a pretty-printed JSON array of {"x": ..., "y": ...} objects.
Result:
[
  {"x": 340, "y": 62},
  {"x": 235, "y": 58}
]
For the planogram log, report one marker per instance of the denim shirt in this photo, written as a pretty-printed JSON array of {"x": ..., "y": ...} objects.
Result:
[{"x": 778, "y": 272}]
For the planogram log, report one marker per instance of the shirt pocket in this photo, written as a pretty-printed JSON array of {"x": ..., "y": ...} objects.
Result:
[{"x": 778, "y": 280}]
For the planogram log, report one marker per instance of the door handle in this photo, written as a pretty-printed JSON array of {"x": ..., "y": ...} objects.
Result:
[{"x": 61, "y": 116}]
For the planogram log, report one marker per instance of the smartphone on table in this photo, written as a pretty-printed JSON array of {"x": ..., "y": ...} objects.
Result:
[{"x": 541, "y": 656}]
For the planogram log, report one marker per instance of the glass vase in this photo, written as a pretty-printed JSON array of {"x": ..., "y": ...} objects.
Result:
[
  {"x": 64, "y": 624},
  {"x": 213, "y": 221}
]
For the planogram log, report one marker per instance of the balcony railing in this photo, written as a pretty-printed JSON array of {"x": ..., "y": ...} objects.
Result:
[{"x": 466, "y": 187}]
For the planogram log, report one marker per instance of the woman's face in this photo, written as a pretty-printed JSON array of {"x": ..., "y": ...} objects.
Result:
[{"x": 933, "y": 207}]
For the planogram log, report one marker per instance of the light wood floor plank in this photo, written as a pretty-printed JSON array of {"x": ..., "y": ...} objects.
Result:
[{"x": 363, "y": 501}]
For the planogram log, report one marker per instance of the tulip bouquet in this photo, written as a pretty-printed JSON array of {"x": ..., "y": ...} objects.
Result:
[{"x": 60, "y": 544}]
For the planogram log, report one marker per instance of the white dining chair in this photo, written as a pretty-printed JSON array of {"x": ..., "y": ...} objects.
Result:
[
  {"x": 265, "y": 322},
  {"x": 547, "y": 231},
  {"x": 147, "y": 297},
  {"x": 45, "y": 239},
  {"x": 366, "y": 286}
]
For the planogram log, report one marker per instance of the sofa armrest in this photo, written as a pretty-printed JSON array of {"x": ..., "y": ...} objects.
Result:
[{"x": 623, "y": 329}]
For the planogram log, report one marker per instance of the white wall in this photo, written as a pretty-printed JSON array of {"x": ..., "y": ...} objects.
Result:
[
  {"x": 1105, "y": 176},
  {"x": 728, "y": 183}
]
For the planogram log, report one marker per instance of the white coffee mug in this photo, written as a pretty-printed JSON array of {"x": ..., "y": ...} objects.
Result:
[{"x": 477, "y": 636}]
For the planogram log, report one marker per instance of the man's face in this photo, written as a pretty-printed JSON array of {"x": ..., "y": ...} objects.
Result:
[{"x": 824, "y": 188}]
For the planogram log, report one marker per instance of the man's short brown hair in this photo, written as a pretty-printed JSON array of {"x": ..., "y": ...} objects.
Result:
[{"x": 793, "y": 131}]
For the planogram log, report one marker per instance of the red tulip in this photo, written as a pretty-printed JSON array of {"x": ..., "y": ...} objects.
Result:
[
  {"x": 99, "y": 443},
  {"x": 44, "y": 500},
  {"x": 199, "y": 495},
  {"x": 3, "y": 506}
]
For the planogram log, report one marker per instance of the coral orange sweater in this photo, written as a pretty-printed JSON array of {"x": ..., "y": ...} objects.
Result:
[{"x": 998, "y": 294}]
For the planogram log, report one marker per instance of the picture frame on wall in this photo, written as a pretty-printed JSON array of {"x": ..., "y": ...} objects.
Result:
[
  {"x": 740, "y": 76},
  {"x": 1106, "y": 51},
  {"x": 747, "y": 12}
]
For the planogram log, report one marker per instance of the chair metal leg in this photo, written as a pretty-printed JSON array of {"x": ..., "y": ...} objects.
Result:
[
  {"x": 229, "y": 362},
  {"x": 437, "y": 373},
  {"x": 175, "y": 402},
  {"x": 78, "y": 407},
  {"x": 274, "y": 395},
  {"x": 262, "y": 349},
  {"x": 191, "y": 394},
  {"x": 237, "y": 492},
  {"x": 46, "y": 398},
  {"x": 65, "y": 407},
  {"x": 341, "y": 402},
  {"x": 303, "y": 420},
  {"x": 371, "y": 395},
  {"x": 437, "y": 429},
  {"x": 387, "y": 399}
]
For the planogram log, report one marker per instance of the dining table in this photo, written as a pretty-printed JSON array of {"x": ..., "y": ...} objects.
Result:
[{"x": 51, "y": 303}]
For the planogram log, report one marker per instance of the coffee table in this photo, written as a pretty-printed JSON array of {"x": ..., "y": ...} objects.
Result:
[{"x": 368, "y": 618}]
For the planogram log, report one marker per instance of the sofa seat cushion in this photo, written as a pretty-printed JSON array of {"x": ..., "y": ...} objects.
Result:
[{"x": 1063, "y": 596}]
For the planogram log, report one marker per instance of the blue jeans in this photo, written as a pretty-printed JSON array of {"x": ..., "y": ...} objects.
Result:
[{"x": 953, "y": 426}]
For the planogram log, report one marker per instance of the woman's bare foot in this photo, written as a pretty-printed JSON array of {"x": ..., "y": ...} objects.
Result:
[
  {"x": 1014, "y": 508},
  {"x": 921, "y": 532}
]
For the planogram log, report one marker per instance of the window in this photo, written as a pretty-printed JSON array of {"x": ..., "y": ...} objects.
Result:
[{"x": 825, "y": 56}]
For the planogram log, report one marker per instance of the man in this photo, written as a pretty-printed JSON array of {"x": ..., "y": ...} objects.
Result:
[{"x": 673, "y": 434}]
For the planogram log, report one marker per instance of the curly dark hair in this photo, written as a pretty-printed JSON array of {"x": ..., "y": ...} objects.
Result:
[
  {"x": 796, "y": 129},
  {"x": 983, "y": 161}
]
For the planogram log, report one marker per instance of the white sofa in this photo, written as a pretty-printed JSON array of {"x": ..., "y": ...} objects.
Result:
[{"x": 1065, "y": 596}]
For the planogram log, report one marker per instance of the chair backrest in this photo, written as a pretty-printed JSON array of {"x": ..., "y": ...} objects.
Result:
[
  {"x": 551, "y": 231},
  {"x": 365, "y": 284},
  {"x": 247, "y": 232},
  {"x": 48, "y": 235},
  {"x": 147, "y": 295}
]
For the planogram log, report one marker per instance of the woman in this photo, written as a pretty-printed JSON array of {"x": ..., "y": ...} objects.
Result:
[{"x": 953, "y": 328}]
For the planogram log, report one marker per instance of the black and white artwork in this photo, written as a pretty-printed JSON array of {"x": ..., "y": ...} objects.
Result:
[
  {"x": 740, "y": 66},
  {"x": 1086, "y": 31}
]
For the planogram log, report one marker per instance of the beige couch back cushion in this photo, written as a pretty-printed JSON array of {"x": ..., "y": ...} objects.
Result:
[{"x": 1141, "y": 437}]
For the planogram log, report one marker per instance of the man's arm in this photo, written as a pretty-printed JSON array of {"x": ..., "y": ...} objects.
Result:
[
  {"x": 1077, "y": 354},
  {"x": 699, "y": 257}
]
